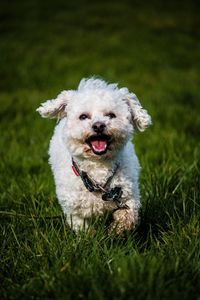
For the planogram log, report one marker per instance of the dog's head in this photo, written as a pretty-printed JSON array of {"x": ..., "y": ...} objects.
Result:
[{"x": 99, "y": 118}]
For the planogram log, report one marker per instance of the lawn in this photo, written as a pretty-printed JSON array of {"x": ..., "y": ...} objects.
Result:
[{"x": 154, "y": 50}]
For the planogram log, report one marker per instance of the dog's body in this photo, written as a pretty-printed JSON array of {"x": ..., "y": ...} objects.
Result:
[{"x": 94, "y": 140}]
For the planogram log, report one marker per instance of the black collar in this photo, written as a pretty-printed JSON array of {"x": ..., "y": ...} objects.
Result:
[{"x": 113, "y": 194}]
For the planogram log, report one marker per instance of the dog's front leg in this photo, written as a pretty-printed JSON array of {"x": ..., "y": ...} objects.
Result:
[
  {"x": 123, "y": 220},
  {"x": 77, "y": 223}
]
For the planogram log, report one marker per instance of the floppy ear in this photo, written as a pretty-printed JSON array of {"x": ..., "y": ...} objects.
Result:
[
  {"x": 140, "y": 118},
  {"x": 55, "y": 108}
]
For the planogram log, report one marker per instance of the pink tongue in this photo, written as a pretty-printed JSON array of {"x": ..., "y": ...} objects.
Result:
[{"x": 99, "y": 145}]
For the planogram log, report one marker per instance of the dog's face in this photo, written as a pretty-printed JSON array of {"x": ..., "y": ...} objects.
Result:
[
  {"x": 97, "y": 125},
  {"x": 99, "y": 118}
]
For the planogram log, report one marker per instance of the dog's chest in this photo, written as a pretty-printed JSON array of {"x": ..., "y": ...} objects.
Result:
[{"x": 92, "y": 202}]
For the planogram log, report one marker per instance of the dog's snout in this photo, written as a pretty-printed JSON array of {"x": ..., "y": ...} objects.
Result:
[{"x": 98, "y": 127}]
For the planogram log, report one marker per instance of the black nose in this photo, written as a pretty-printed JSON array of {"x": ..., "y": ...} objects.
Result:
[{"x": 98, "y": 127}]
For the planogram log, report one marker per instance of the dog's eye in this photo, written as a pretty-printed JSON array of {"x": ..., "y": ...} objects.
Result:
[
  {"x": 111, "y": 115},
  {"x": 83, "y": 117}
]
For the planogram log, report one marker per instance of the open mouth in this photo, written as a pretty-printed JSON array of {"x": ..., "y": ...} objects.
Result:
[{"x": 99, "y": 143}]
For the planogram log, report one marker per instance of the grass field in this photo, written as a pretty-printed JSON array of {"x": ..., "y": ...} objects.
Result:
[{"x": 154, "y": 50}]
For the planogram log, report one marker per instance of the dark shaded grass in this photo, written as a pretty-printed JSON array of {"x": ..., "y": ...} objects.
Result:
[{"x": 153, "y": 49}]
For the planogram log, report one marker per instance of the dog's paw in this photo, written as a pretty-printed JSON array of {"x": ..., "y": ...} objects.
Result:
[{"x": 122, "y": 221}]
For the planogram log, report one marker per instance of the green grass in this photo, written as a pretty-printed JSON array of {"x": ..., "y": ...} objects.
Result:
[{"x": 154, "y": 49}]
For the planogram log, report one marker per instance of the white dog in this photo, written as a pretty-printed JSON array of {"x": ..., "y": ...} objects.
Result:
[{"x": 91, "y": 154}]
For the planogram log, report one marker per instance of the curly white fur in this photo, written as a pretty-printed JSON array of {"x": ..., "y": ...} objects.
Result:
[{"x": 96, "y": 99}]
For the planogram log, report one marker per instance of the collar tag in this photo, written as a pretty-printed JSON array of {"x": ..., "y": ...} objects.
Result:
[{"x": 75, "y": 171}]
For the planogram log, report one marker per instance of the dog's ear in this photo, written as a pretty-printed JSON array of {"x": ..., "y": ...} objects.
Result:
[
  {"x": 55, "y": 108},
  {"x": 140, "y": 118}
]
